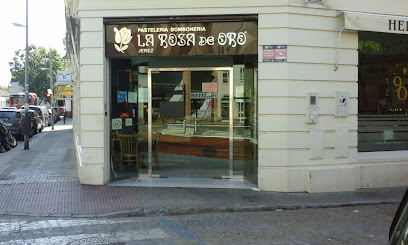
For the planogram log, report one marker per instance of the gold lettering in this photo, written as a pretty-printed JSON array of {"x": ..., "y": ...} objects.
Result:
[{"x": 402, "y": 92}]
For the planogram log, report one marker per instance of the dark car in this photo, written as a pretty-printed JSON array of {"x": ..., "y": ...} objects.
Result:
[
  {"x": 399, "y": 227},
  {"x": 42, "y": 112},
  {"x": 13, "y": 120},
  {"x": 36, "y": 122}
]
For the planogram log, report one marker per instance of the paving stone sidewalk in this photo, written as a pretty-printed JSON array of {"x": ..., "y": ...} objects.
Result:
[{"x": 43, "y": 181}]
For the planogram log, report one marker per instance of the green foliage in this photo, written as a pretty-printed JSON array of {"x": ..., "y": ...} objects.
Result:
[
  {"x": 369, "y": 47},
  {"x": 39, "y": 80}
]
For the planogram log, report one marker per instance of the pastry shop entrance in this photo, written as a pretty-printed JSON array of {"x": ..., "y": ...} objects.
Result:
[
  {"x": 191, "y": 117},
  {"x": 182, "y": 98},
  {"x": 195, "y": 122}
]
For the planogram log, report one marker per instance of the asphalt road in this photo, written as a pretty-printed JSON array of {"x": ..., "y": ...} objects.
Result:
[{"x": 346, "y": 225}]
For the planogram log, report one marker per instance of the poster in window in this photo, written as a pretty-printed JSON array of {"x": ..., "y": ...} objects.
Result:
[
  {"x": 116, "y": 123},
  {"x": 132, "y": 97},
  {"x": 128, "y": 122},
  {"x": 122, "y": 96}
]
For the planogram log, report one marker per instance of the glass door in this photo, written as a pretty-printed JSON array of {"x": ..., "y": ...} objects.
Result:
[
  {"x": 190, "y": 130},
  {"x": 125, "y": 126}
]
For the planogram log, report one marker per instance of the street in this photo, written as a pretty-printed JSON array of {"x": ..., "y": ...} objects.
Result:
[
  {"x": 345, "y": 225},
  {"x": 42, "y": 202}
]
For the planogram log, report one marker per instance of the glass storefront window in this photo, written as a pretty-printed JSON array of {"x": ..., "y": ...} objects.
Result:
[
  {"x": 383, "y": 95},
  {"x": 189, "y": 131}
]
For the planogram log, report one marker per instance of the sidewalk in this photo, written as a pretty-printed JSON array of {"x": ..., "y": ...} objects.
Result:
[{"x": 43, "y": 181}]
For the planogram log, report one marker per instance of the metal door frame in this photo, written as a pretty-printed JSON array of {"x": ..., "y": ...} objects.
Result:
[{"x": 231, "y": 110}]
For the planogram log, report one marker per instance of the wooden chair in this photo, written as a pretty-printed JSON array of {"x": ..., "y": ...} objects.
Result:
[{"x": 128, "y": 152}]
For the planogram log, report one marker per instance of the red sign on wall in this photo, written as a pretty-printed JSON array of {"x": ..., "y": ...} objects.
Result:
[
  {"x": 275, "y": 53},
  {"x": 209, "y": 87}
]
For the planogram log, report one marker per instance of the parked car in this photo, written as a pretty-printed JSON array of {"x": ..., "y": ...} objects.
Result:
[
  {"x": 45, "y": 115},
  {"x": 42, "y": 112},
  {"x": 398, "y": 234},
  {"x": 37, "y": 126},
  {"x": 13, "y": 120}
]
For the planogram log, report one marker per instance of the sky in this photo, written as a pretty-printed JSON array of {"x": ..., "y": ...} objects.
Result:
[{"x": 46, "y": 28}]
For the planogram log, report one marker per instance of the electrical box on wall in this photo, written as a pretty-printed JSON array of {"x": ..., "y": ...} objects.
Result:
[
  {"x": 342, "y": 99},
  {"x": 312, "y": 108}
]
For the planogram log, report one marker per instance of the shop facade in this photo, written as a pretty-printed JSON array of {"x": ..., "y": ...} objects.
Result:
[{"x": 292, "y": 96}]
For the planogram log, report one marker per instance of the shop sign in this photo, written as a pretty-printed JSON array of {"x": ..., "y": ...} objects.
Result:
[
  {"x": 64, "y": 77},
  {"x": 179, "y": 39},
  {"x": 274, "y": 53},
  {"x": 375, "y": 22},
  {"x": 209, "y": 87},
  {"x": 204, "y": 95}
]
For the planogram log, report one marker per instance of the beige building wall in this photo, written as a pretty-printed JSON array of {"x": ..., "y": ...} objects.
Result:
[
  {"x": 90, "y": 134},
  {"x": 294, "y": 156}
]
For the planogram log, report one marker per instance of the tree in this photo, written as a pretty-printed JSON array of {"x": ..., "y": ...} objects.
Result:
[{"x": 39, "y": 80}]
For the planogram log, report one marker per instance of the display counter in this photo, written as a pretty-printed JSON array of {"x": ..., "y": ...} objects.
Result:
[{"x": 210, "y": 141}]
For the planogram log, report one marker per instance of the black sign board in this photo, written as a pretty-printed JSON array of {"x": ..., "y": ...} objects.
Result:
[{"x": 181, "y": 39}]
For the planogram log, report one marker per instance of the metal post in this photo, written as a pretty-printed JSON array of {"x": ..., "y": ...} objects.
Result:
[
  {"x": 52, "y": 95},
  {"x": 26, "y": 85}
]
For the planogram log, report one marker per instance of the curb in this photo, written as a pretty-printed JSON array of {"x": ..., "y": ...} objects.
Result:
[{"x": 142, "y": 212}]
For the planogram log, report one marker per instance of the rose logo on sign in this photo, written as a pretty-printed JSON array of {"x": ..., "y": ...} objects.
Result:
[{"x": 123, "y": 38}]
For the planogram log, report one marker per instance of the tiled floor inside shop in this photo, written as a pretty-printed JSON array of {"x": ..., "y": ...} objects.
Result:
[
  {"x": 185, "y": 182},
  {"x": 186, "y": 171}
]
